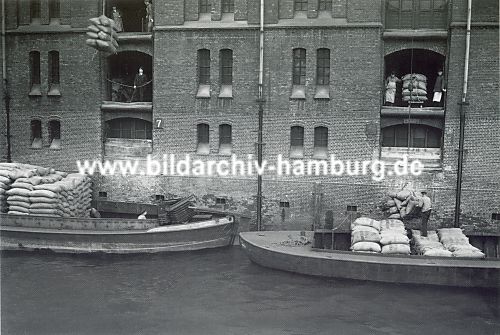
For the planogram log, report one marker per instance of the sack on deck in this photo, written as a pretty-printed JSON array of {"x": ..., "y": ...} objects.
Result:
[
  {"x": 403, "y": 249},
  {"x": 366, "y": 246}
]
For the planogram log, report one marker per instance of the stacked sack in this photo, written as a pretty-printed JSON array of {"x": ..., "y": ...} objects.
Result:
[
  {"x": 365, "y": 235},
  {"x": 9, "y": 173},
  {"x": 393, "y": 237},
  {"x": 400, "y": 204},
  {"x": 102, "y": 34},
  {"x": 46, "y": 192},
  {"x": 429, "y": 245},
  {"x": 454, "y": 240},
  {"x": 415, "y": 88}
]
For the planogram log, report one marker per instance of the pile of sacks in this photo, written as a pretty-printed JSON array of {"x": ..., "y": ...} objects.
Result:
[
  {"x": 415, "y": 88},
  {"x": 385, "y": 236},
  {"x": 429, "y": 245},
  {"x": 9, "y": 172},
  {"x": 39, "y": 191},
  {"x": 401, "y": 204},
  {"x": 455, "y": 241},
  {"x": 365, "y": 235},
  {"x": 393, "y": 237},
  {"x": 102, "y": 34}
]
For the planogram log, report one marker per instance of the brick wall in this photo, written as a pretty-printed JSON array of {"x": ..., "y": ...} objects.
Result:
[{"x": 77, "y": 108}]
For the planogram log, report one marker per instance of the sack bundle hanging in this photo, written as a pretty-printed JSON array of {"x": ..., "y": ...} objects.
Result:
[{"x": 102, "y": 35}]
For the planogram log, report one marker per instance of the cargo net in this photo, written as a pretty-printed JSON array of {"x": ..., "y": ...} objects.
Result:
[{"x": 34, "y": 190}]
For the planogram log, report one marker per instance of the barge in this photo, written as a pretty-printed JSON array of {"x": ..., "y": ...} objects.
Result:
[
  {"x": 279, "y": 250},
  {"x": 115, "y": 235}
]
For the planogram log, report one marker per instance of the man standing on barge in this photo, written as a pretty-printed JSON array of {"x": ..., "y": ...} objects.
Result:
[{"x": 425, "y": 204}]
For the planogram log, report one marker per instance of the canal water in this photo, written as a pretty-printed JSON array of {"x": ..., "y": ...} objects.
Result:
[{"x": 220, "y": 292}]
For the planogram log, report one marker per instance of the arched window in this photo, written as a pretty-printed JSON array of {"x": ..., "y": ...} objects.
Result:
[
  {"x": 54, "y": 9},
  {"x": 36, "y": 134},
  {"x": 34, "y": 59},
  {"x": 323, "y": 67},
  {"x": 226, "y": 70},
  {"x": 54, "y": 134},
  {"x": 204, "y": 67},
  {"x": 227, "y": 6},
  {"x": 225, "y": 139},
  {"x": 299, "y": 66},
  {"x": 35, "y": 10},
  {"x": 320, "y": 142},
  {"x": 296, "y": 142},
  {"x": 203, "y": 133},
  {"x": 53, "y": 72},
  {"x": 130, "y": 128},
  {"x": 420, "y": 136}
]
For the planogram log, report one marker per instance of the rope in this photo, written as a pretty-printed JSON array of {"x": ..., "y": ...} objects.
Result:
[
  {"x": 131, "y": 86},
  {"x": 409, "y": 101}
]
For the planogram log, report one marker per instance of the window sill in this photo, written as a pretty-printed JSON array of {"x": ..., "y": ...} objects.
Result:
[
  {"x": 35, "y": 91},
  {"x": 55, "y": 145},
  {"x": 54, "y": 92},
  {"x": 37, "y": 144},
  {"x": 296, "y": 152},
  {"x": 298, "y": 92},
  {"x": 227, "y": 17},
  {"x": 203, "y": 149},
  {"x": 226, "y": 92},
  {"x": 320, "y": 153},
  {"x": 300, "y": 14},
  {"x": 225, "y": 150},
  {"x": 203, "y": 91},
  {"x": 322, "y": 92},
  {"x": 205, "y": 17}
]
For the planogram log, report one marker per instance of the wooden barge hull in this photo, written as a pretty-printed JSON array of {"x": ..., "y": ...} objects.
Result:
[
  {"x": 264, "y": 248},
  {"x": 107, "y": 239}
]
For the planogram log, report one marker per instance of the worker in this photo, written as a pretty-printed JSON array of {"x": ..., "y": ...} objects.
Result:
[
  {"x": 94, "y": 213},
  {"x": 142, "y": 216},
  {"x": 425, "y": 204}
]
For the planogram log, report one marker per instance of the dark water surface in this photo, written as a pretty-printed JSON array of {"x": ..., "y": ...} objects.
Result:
[{"x": 220, "y": 292}]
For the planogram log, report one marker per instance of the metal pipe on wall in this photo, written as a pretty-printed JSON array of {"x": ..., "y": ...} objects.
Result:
[
  {"x": 462, "y": 104},
  {"x": 6, "y": 94},
  {"x": 260, "y": 101}
]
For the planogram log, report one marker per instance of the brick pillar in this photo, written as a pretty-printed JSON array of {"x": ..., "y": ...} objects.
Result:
[
  {"x": 339, "y": 8},
  {"x": 44, "y": 12},
  {"x": 11, "y": 15},
  {"x": 24, "y": 12},
  {"x": 191, "y": 10},
  {"x": 216, "y": 10},
  {"x": 240, "y": 10},
  {"x": 271, "y": 11},
  {"x": 312, "y": 9},
  {"x": 65, "y": 7}
]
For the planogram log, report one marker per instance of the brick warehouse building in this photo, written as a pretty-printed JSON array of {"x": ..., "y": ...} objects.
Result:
[{"x": 325, "y": 64}]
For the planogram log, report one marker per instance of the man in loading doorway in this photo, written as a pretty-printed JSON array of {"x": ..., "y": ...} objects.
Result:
[{"x": 425, "y": 204}]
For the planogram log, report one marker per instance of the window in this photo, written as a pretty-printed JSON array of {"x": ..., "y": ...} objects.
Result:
[
  {"x": 226, "y": 67},
  {"x": 130, "y": 128},
  {"x": 421, "y": 136},
  {"x": 53, "y": 73},
  {"x": 205, "y": 6},
  {"x": 299, "y": 73},
  {"x": 297, "y": 142},
  {"x": 54, "y": 9},
  {"x": 220, "y": 201},
  {"x": 203, "y": 146},
  {"x": 35, "y": 73},
  {"x": 325, "y": 5},
  {"x": 322, "y": 74},
  {"x": 320, "y": 142},
  {"x": 299, "y": 66},
  {"x": 225, "y": 139},
  {"x": 159, "y": 197},
  {"x": 103, "y": 194},
  {"x": 351, "y": 208},
  {"x": 203, "y": 74},
  {"x": 36, "y": 134},
  {"x": 55, "y": 134},
  {"x": 495, "y": 216},
  {"x": 323, "y": 67},
  {"x": 226, "y": 73},
  {"x": 228, "y": 6},
  {"x": 300, "y": 5},
  {"x": 35, "y": 10},
  {"x": 284, "y": 204}
]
